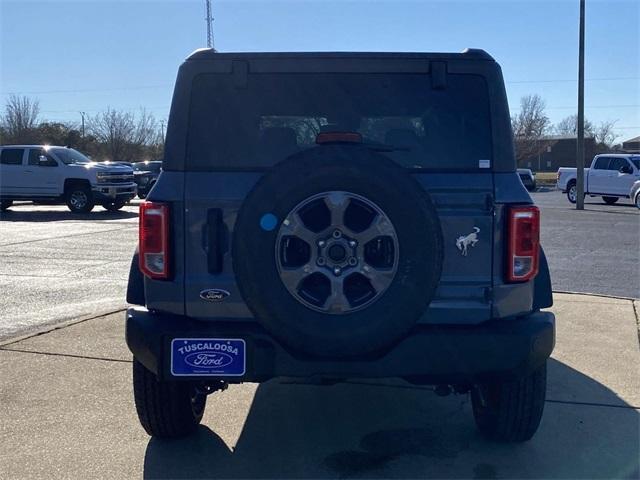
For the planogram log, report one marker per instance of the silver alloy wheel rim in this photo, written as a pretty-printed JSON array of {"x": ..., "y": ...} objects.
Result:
[
  {"x": 78, "y": 199},
  {"x": 343, "y": 255},
  {"x": 573, "y": 193},
  {"x": 638, "y": 200}
]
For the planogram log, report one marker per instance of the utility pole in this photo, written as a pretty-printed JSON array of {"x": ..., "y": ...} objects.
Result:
[
  {"x": 209, "y": 20},
  {"x": 580, "y": 139},
  {"x": 82, "y": 114}
]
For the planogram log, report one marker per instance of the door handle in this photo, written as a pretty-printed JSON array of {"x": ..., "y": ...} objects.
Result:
[{"x": 214, "y": 234}]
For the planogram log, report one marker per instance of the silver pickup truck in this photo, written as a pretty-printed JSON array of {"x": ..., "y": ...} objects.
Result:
[
  {"x": 610, "y": 177},
  {"x": 49, "y": 173}
]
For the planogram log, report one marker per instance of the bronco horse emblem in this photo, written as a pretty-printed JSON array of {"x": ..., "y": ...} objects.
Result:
[{"x": 463, "y": 242}]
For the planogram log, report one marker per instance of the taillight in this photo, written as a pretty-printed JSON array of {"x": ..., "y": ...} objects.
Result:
[
  {"x": 523, "y": 252},
  {"x": 154, "y": 240},
  {"x": 338, "y": 137},
  {"x": 558, "y": 177}
]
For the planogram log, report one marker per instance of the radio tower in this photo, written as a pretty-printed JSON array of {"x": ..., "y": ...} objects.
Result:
[{"x": 209, "y": 25}]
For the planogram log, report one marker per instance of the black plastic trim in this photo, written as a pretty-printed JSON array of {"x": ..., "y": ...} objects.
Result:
[{"x": 428, "y": 355}]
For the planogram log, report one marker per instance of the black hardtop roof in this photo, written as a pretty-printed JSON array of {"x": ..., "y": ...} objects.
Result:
[{"x": 468, "y": 54}]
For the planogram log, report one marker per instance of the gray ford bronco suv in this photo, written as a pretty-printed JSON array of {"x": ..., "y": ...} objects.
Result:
[{"x": 330, "y": 216}]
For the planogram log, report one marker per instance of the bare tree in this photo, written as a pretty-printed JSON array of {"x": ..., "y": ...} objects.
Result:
[
  {"x": 113, "y": 129},
  {"x": 604, "y": 134},
  {"x": 124, "y": 136},
  {"x": 569, "y": 126},
  {"x": 20, "y": 119},
  {"x": 529, "y": 127}
]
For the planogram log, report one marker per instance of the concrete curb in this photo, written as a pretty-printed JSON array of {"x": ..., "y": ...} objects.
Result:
[
  {"x": 603, "y": 295},
  {"x": 57, "y": 326}
]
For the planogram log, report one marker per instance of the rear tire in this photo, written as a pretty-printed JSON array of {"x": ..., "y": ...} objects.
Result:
[
  {"x": 637, "y": 200},
  {"x": 610, "y": 200},
  {"x": 5, "y": 204},
  {"x": 166, "y": 409},
  {"x": 510, "y": 411},
  {"x": 572, "y": 192},
  {"x": 79, "y": 199}
]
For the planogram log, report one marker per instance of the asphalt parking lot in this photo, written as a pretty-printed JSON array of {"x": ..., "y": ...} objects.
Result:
[
  {"x": 596, "y": 250},
  {"x": 55, "y": 266}
]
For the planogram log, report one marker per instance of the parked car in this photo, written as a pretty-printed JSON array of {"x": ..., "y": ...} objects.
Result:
[
  {"x": 43, "y": 173},
  {"x": 634, "y": 195},
  {"x": 145, "y": 175},
  {"x": 610, "y": 176},
  {"x": 324, "y": 230},
  {"x": 528, "y": 178}
]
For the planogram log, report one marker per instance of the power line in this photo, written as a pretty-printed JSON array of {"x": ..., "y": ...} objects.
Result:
[
  {"x": 573, "y": 80},
  {"x": 165, "y": 107},
  {"x": 114, "y": 89},
  {"x": 570, "y": 107}
]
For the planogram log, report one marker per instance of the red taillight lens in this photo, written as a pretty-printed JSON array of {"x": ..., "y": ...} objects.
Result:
[
  {"x": 154, "y": 240},
  {"x": 523, "y": 252},
  {"x": 338, "y": 137}
]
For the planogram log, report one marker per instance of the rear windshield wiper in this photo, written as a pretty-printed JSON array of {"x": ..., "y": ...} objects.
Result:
[{"x": 381, "y": 147}]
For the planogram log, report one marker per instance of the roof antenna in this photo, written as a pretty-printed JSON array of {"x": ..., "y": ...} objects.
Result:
[{"x": 209, "y": 20}]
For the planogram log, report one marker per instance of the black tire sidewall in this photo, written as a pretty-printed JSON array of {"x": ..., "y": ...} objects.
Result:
[
  {"x": 571, "y": 185},
  {"x": 392, "y": 315},
  {"x": 90, "y": 202}
]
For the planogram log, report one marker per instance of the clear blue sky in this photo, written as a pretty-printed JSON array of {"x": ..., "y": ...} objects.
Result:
[{"x": 86, "y": 55}]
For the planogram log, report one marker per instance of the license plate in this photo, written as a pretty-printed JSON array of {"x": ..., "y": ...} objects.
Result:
[{"x": 216, "y": 357}]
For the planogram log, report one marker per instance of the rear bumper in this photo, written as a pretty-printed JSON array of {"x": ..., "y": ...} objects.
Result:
[{"x": 429, "y": 355}]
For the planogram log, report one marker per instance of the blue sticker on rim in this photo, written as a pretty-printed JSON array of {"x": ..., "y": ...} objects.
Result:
[
  {"x": 268, "y": 222},
  {"x": 215, "y": 357}
]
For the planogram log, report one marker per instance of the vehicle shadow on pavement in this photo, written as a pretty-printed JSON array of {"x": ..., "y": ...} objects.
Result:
[
  {"x": 56, "y": 216},
  {"x": 400, "y": 431}
]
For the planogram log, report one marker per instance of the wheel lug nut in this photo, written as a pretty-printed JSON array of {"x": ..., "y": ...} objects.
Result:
[
  {"x": 321, "y": 243},
  {"x": 353, "y": 243},
  {"x": 337, "y": 234},
  {"x": 337, "y": 271},
  {"x": 353, "y": 261},
  {"x": 321, "y": 261}
]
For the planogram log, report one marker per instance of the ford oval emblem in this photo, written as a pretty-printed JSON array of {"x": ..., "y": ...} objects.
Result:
[{"x": 214, "y": 295}]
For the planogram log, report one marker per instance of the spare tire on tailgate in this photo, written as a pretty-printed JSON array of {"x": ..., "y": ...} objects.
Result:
[{"x": 337, "y": 251}]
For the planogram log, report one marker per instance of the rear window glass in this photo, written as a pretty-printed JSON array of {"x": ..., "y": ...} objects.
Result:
[
  {"x": 601, "y": 163},
  {"x": 11, "y": 156},
  {"x": 277, "y": 115}
]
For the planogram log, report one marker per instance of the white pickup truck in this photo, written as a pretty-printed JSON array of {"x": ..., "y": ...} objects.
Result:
[
  {"x": 611, "y": 176},
  {"x": 49, "y": 173}
]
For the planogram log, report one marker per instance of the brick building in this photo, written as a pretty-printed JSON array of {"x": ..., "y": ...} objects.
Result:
[
  {"x": 633, "y": 144},
  {"x": 559, "y": 151}
]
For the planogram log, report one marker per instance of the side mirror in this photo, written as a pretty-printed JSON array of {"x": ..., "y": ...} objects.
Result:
[{"x": 626, "y": 169}]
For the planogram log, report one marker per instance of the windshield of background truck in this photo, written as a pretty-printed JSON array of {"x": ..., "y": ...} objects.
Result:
[{"x": 69, "y": 155}]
